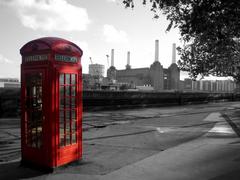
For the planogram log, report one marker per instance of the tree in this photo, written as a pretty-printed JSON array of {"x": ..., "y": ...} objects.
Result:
[{"x": 210, "y": 30}]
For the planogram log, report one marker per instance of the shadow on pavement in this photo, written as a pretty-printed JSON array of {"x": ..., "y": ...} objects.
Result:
[
  {"x": 232, "y": 175},
  {"x": 15, "y": 170}
]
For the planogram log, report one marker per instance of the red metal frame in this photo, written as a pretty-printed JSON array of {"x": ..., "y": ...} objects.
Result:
[{"x": 51, "y": 57}]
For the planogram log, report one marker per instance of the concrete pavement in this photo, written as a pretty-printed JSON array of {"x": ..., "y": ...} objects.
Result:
[
  {"x": 186, "y": 161},
  {"x": 212, "y": 154}
]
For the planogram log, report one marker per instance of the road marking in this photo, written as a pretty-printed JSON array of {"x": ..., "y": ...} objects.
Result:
[
  {"x": 214, "y": 117},
  {"x": 221, "y": 127},
  {"x": 159, "y": 130}
]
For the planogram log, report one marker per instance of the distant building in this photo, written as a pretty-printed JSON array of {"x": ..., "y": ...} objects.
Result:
[
  {"x": 188, "y": 85},
  {"x": 144, "y": 88},
  {"x": 155, "y": 76},
  {"x": 209, "y": 85},
  {"x": 92, "y": 82},
  {"x": 96, "y": 70},
  {"x": 9, "y": 83}
]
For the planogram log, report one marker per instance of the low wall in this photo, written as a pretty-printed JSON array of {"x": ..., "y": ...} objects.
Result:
[
  {"x": 103, "y": 100},
  {"x": 93, "y": 100},
  {"x": 9, "y": 102}
]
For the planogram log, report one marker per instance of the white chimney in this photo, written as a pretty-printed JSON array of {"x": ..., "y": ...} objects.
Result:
[
  {"x": 173, "y": 53},
  {"x": 112, "y": 57},
  {"x": 128, "y": 58},
  {"x": 156, "y": 50}
]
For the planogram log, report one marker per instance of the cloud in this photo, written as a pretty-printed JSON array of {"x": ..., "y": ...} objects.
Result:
[
  {"x": 84, "y": 46},
  {"x": 9, "y": 68},
  {"x": 4, "y": 60},
  {"x": 111, "y": 34},
  {"x": 87, "y": 53},
  {"x": 111, "y": 0},
  {"x": 50, "y": 15}
]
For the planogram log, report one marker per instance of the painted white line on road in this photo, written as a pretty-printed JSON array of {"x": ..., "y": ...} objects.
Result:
[
  {"x": 172, "y": 129},
  {"x": 159, "y": 130},
  {"x": 221, "y": 127},
  {"x": 214, "y": 117}
]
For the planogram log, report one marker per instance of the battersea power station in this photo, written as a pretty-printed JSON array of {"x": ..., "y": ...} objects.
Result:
[{"x": 154, "y": 76}]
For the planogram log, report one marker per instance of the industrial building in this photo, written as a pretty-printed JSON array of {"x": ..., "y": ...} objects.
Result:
[
  {"x": 150, "y": 78},
  {"x": 96, "y": 70},
  {"x": 9, "y": 83},
  {"x": 154, "y": 76}
]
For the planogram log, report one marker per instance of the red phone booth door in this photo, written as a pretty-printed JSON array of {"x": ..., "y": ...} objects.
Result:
[
  {"x": 34, "y": 84},
  {"x": 34, "y": 115},
  {"x": 68, "y": 120}
]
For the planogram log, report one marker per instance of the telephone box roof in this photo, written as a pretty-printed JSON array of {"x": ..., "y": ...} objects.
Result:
[{"x": 57, "y": 45}]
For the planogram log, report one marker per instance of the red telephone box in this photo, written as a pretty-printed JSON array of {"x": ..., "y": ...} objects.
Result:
[{"x": 51, "y": 102}]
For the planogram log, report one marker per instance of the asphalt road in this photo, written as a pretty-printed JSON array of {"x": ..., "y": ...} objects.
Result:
[
  {"x": 115, "y": 139},
  {"x": 118, "y": 138}
]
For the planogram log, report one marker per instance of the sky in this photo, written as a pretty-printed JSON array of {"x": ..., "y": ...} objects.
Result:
[{"x": 96, "y": 26}]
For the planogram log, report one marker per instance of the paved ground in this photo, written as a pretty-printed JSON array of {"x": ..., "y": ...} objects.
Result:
[{"x": 183, "y": 142}]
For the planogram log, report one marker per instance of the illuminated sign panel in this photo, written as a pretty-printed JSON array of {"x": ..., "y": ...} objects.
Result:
[
  {"x": 42, "y": 57},
  {"x": 65, "y": 58}
]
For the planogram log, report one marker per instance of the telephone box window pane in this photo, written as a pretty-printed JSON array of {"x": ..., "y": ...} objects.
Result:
[
  {"x": 39, "y": 130},
  {"x": 61, "y": 102},
  {"x": 74, "y": 139},
  {"x": 73, "y": 102},
  {"x": 37, "y": 115},
  {"x": 28, "y": 90},
  {"x": 67, "y": 90},
  {"x": 73, "y": 115},
  {"x": 61, "y": 91},
  {"x": 61, "y": 131},
  {"x": 67, "y": 127},
  {"x": 67, "y": 79},
  {"x": 34, "y": 102},
  {"x": 68, "y": 139},
  {"x": 61, "y": 114},
  {"x": 73, "y": 91},
  {"x": 67, "y": 115},
  {"x": 74, "y": 126},
  {"x": 73, "y": 78},
  {"x": 67, "y": 121},
  {"x": 39, "y": 136},
  {"x": 61, "y": 79},
  {"x": 67, "y": 102},
  {"x": 61, "y": 123},
  {"x": 62, "y": 142},
  {"x": 34, "y": 91},
  {"x": 34, "y": 138}
]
